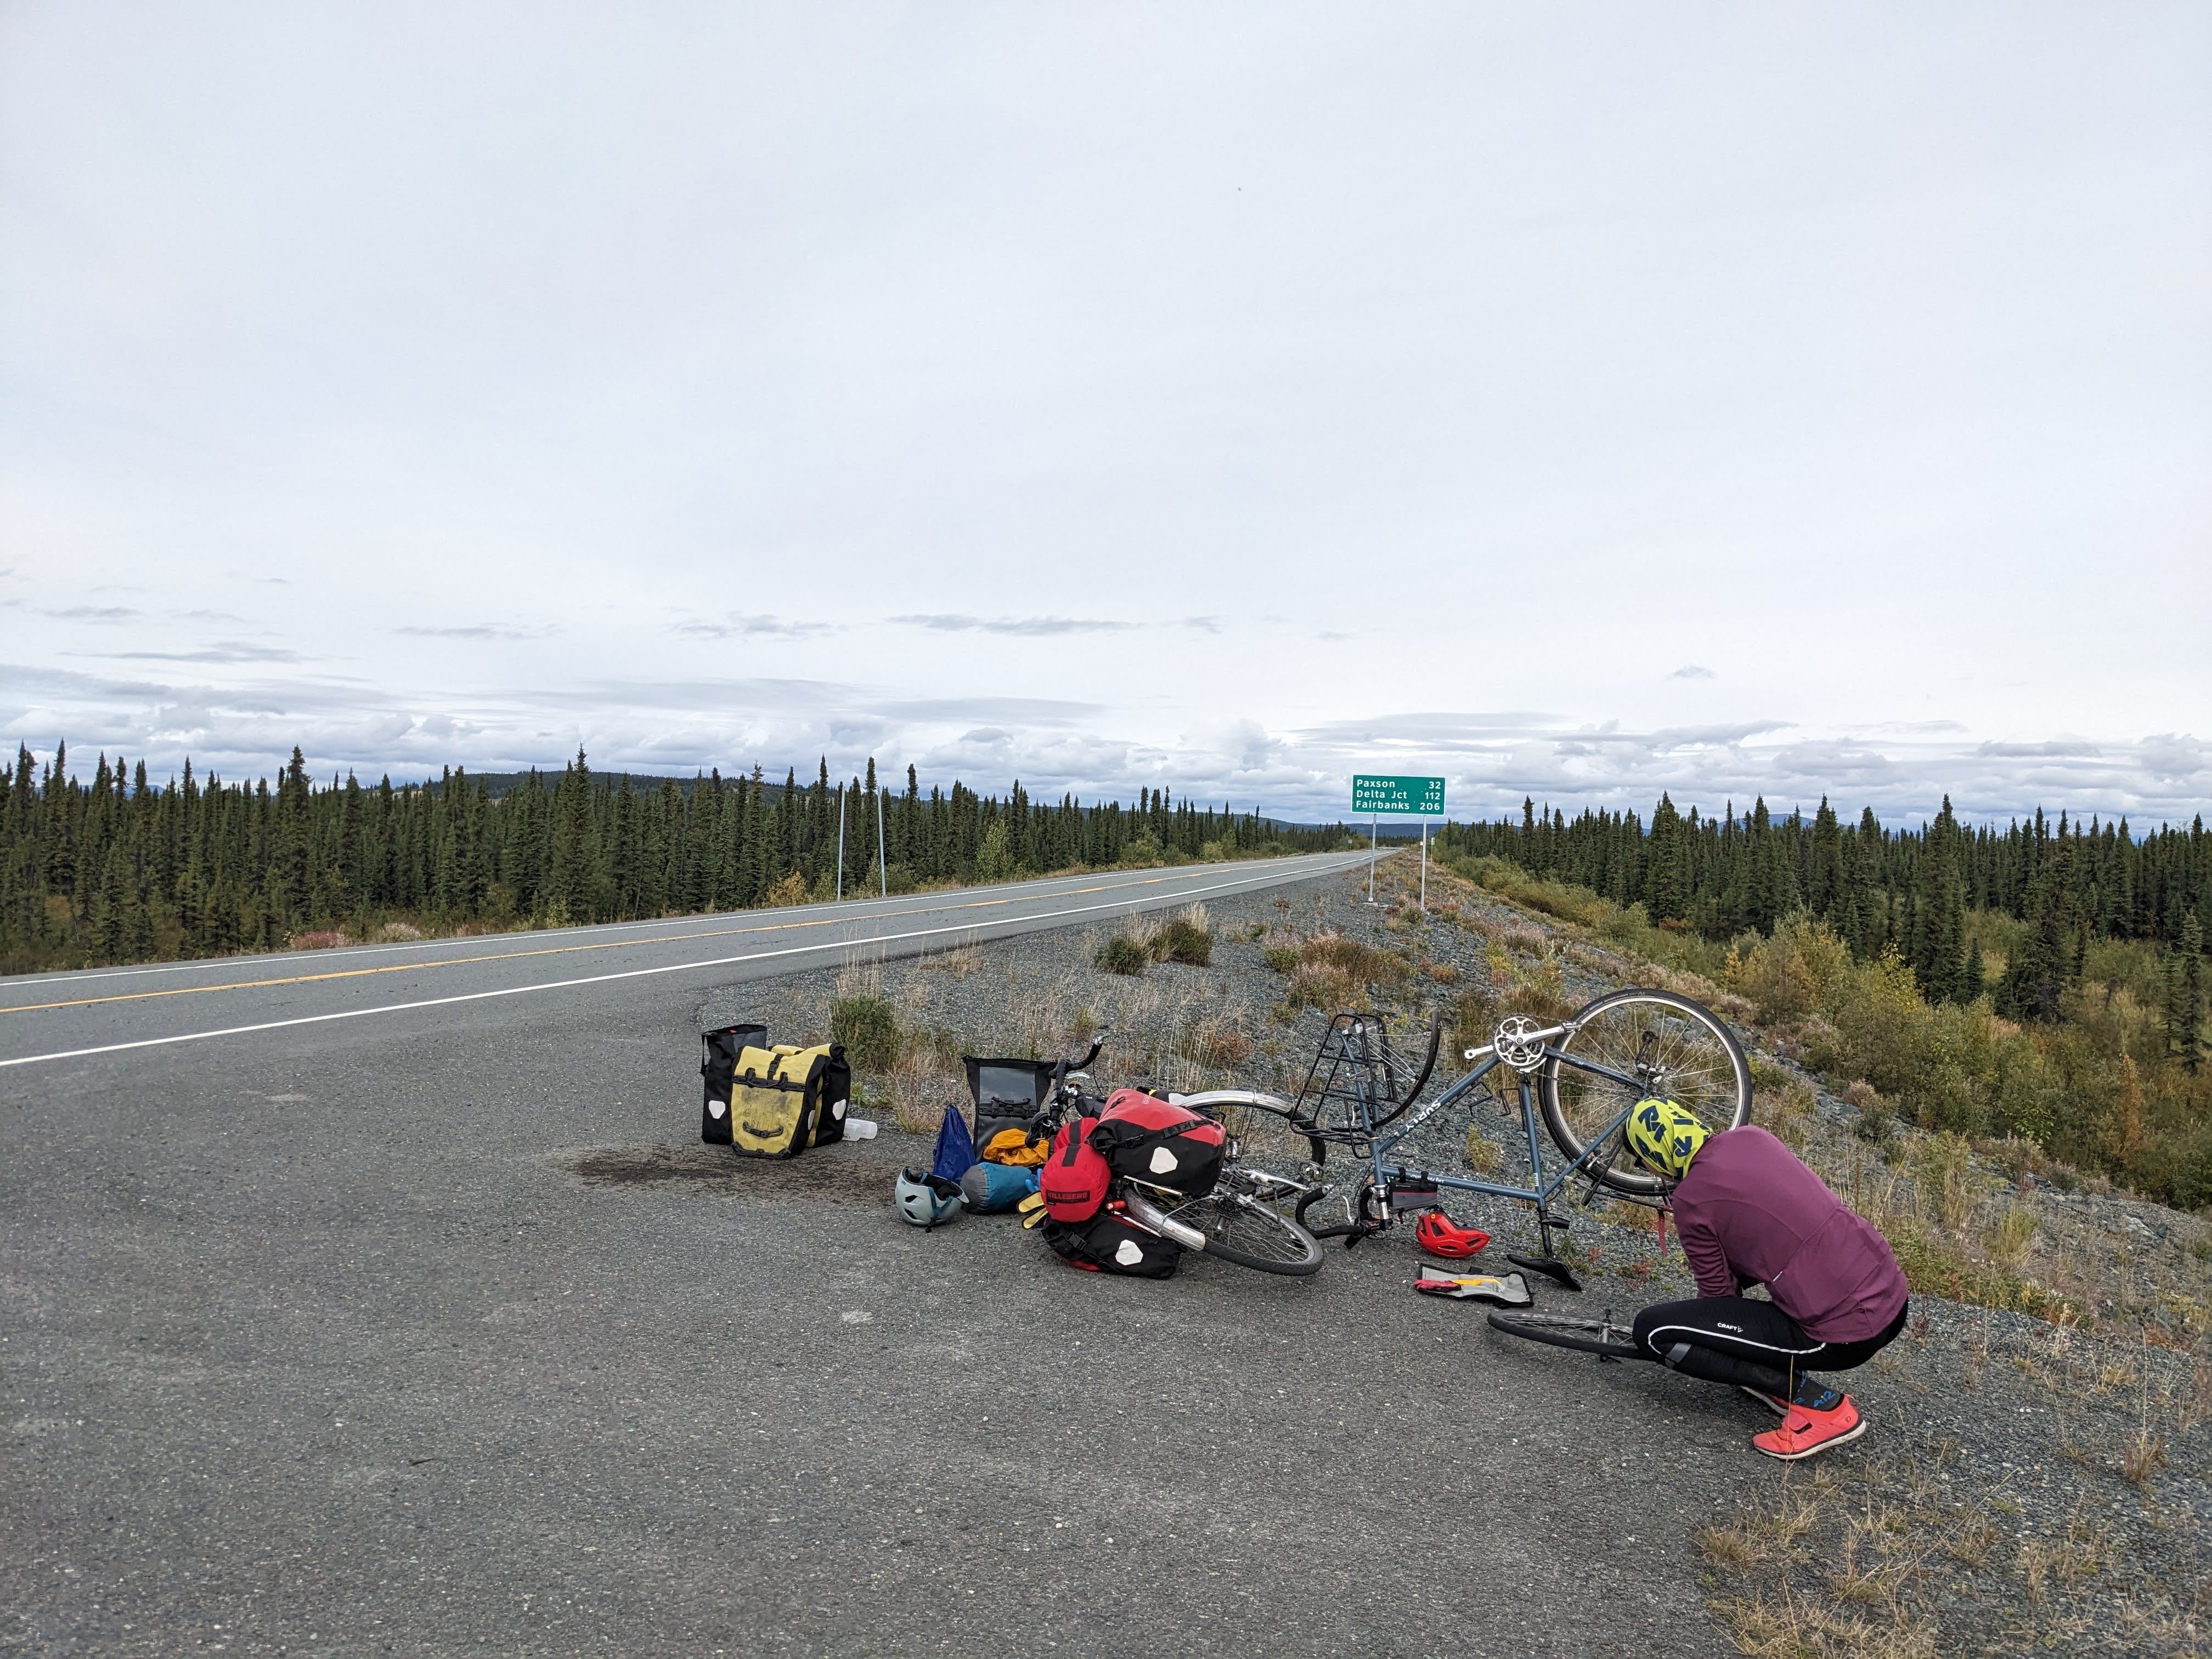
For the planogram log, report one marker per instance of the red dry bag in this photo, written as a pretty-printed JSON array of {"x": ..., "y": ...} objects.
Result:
[{"x": 1074, "y": 1176}]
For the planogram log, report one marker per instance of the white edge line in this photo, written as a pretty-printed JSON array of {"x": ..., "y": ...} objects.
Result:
[{"x": 570, "y": 984}]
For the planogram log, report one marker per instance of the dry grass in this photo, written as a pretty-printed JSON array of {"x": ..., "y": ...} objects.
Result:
[
  {"x": 1939, "y": 1164},
  {"x": 2008, "y": 1240},
  {"x": 1783, "y": 1623},
  {"x": 1330, "y": 971},
  {"x": 922, "y": 1086},
  {"x": 328, "y": 939},
  {"x": 2143, "y": 1455},
  {"x": 959, "y": 962},
  {"x": 1217, "y": 1042}
]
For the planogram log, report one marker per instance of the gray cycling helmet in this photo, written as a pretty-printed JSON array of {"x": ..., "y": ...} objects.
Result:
[{"x": 927, "y": 1200}]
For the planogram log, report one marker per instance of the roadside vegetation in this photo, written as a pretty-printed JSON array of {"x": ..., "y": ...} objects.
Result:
[{"x": 1185, "y": 937}]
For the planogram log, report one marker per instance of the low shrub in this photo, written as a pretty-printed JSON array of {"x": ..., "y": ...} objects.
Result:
[
  {"x": 1321, "y": 985},
  {"x": 1185, "y": 939},
  {"x": 1121, "y": 955},
  {"x": 1360, "y": 963},
  {"x": 869, "y": 1029}
]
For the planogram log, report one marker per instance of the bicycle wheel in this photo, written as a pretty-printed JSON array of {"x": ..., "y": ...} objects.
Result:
[
  {"x": 1603, "y": 1337},
  {"x": 1674, "y": 1048},
  {"x": 1243, "y": 1231}
]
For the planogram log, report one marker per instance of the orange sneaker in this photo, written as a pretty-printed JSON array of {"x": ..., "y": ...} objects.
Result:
[{"x": 1805, "y": 1432}]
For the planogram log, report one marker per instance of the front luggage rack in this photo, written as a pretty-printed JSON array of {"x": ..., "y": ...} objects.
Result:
[{"x": 1358, "y": 1081}]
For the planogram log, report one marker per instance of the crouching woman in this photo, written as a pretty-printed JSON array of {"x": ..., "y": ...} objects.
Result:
[{"x": 1748, "y": 1213}]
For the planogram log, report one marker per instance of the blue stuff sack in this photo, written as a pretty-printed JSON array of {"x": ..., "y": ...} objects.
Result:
[
  {"x": 956, "y": 1147},
  {"x": 988, "y": 1188}
]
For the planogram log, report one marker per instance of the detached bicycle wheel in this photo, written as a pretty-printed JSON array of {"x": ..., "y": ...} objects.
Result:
[
  {"x": 1638, "y": 1045},
  {"x": 1603, "y": 1337},
  {"x": 1247, "y": 1232}
]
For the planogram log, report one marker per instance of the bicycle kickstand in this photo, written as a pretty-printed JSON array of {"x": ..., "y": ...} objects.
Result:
[{"x": 1549, "y": 1263}]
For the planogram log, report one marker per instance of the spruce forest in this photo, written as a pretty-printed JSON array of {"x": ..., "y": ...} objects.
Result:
[
  {"x": 120, "y": 870},
  {"x": 2040, "y": 986}
]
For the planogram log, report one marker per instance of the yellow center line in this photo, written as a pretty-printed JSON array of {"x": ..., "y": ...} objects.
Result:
[{"x": 506, "y": 955}]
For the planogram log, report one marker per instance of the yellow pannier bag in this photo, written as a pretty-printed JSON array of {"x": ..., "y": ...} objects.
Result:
[{"x": 778, "y": 1107}]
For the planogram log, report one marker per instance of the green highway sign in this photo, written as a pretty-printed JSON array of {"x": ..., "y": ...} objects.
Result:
[{"x": 1405, "y": 797}]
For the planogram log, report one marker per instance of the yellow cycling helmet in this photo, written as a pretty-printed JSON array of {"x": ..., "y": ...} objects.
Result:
[{"x": 1665, "y": 1136}]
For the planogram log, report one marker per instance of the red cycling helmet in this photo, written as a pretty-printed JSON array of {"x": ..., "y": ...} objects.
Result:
[{"x": 1437, "y": 1233}]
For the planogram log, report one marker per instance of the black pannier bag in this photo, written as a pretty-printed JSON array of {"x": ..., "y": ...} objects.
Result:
[
  {"x": 718, "y": 1066},
  {"x": 1143, "y": 1138},
  {"x": 1108, "y": 1244},
  {"x": 836, "y": 1097},
  {"x": 1008, "y": 1095}
]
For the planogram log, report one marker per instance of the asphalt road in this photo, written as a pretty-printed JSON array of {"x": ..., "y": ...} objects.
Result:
[{"x": 401, "y": 1312}]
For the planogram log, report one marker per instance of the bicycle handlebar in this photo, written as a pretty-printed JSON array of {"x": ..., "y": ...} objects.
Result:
[{"x": 1049, "y": 1115}]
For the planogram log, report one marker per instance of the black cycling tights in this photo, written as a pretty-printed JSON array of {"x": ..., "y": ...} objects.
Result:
[{"x": 1732, "y": 1339}]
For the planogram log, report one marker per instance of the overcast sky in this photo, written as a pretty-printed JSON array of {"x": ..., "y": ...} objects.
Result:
[{"x": 1579, "y": 401}]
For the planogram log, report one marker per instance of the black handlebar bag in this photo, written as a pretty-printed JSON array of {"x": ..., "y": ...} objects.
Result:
[
  {"x": 1008, "y": 1095},
  {"x": 719, "y": 1065}
]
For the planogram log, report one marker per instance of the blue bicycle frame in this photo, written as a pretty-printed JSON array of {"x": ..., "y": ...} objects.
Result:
[{"x": 1531, "y": 1047}]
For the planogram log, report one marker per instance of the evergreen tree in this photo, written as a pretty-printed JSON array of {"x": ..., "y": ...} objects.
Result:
[
  {"x": 1936, "y": 950},
  {"x": 1664, "y": 895},
  {"x": 1823, "y": 859},
  {"x": 2185, "y": 994}
]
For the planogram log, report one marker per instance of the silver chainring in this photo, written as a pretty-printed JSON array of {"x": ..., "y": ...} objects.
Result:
[{"x": 1517, "y": 1042}]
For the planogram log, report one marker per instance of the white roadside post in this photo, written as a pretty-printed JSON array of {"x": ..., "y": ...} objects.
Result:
[
  {"x": 840, "y": 841},
  {"x": 883, "y": 870}
]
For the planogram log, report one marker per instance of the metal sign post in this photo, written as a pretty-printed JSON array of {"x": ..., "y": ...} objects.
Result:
[
  {"x": 883, "y": 870},
  {"x": 1375, "y": 794},
  {"x": 840, "y": 841}
]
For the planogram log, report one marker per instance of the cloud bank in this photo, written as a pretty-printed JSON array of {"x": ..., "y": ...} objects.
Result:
[{"x": 1491, "y": 761}]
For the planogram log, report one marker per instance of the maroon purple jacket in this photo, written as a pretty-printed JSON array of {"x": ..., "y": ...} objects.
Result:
[{"x": 1749, "y": 1212}]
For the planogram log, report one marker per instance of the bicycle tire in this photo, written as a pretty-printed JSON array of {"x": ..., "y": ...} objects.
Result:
[
  {"x": 1601, "y": 1337},
  {"x": 1681, "y": 1049},
  {"x": 1245, "y": 1231}
]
